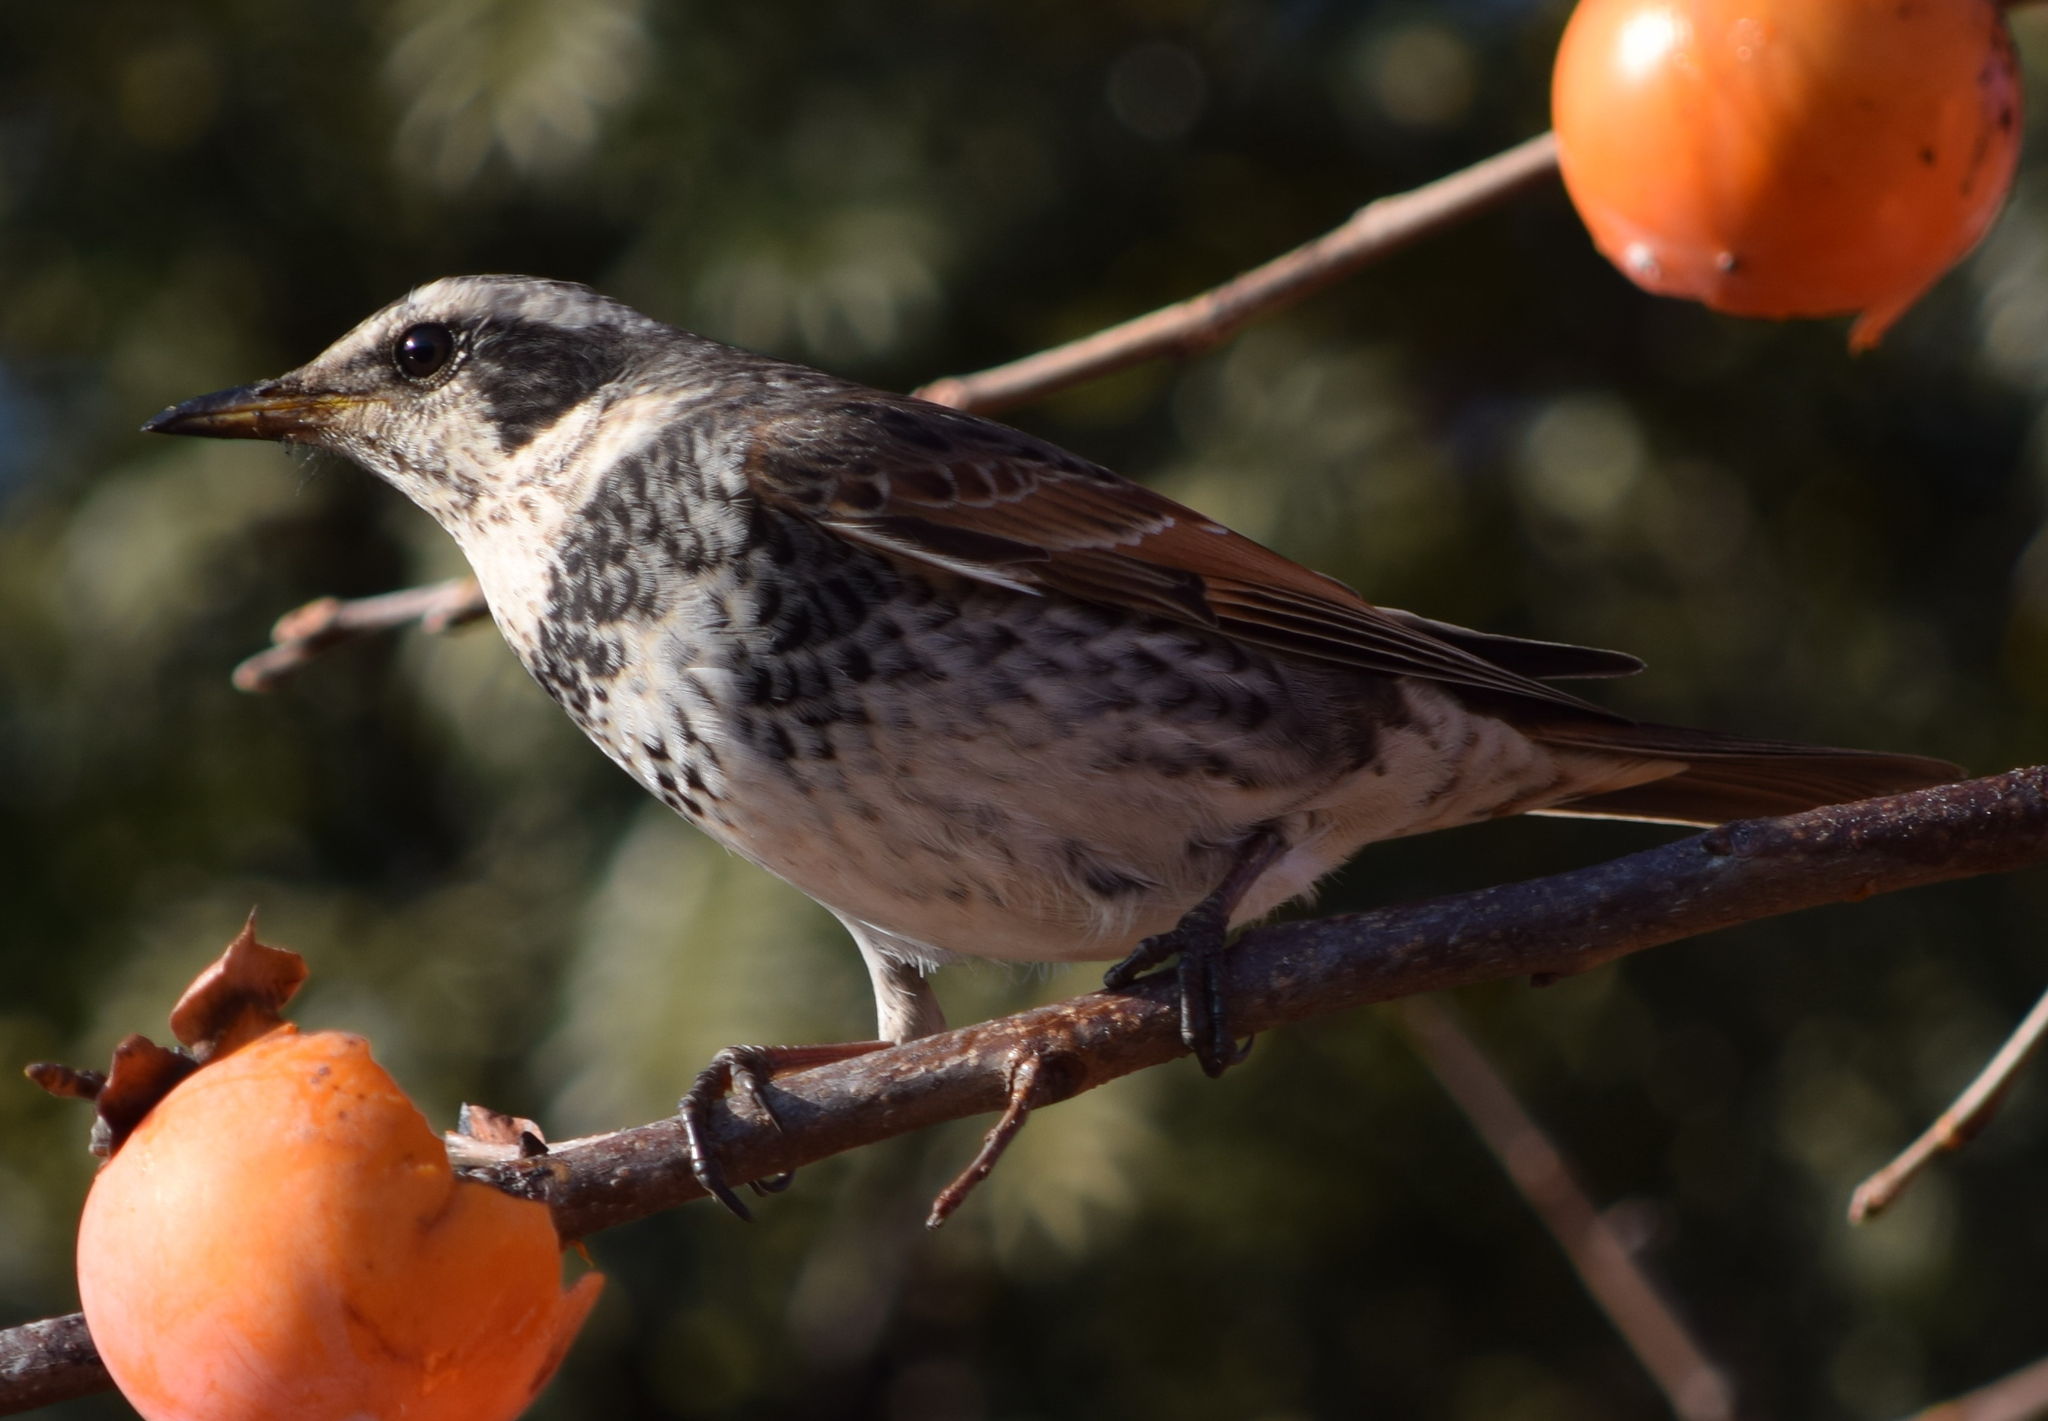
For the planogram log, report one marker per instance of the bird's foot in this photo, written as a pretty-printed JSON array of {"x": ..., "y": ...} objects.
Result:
[
  {"x": 1200, "y": 939},
  {"x": 744, "y": 1071}
]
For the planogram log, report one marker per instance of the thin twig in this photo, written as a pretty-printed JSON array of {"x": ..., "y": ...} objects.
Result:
[
  {"x": 1290, "y": 972},
  {"x": 1695, "y": 1387},
  {"x": 1024, "y": 1074},
  {"x": 305, "y": 632},
  {"x": 1957, "y": 1125},
  {"x": 1376, "y": 230},
  {"x": 2020, "y": 1396}
]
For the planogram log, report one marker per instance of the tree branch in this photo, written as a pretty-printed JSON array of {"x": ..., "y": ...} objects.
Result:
[
  {"x": 1376, "y": 230},
  {"x": 1957, "y": 1125},
  {"x": 43, "y": 1363},
  {"x": 1379, "y": 229},
  {"x": 304, "y": 633},
  {"x": 1696, "y": 1389},
  {"x": 1289, "y": 972},
  {"x": 2017, "y": 1396}
]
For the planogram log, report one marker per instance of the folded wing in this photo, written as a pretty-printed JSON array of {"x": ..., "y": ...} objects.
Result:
[{"x": 950, "y": 490}]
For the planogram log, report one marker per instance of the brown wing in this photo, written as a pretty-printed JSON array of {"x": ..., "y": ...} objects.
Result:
[
  {"x": 1546, "y": 660},
  {"x": 931, "y": 484}
]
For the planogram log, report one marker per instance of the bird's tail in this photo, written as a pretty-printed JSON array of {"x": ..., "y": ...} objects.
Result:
[{"x": 1729, "y": 777}]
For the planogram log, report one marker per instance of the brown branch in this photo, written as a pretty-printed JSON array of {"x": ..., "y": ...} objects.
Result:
[
  {"x": 1295, "y": 971},
  {"x": 43, "y": 1363},
  {"x": 1291, "y": 972},
  {"x": 1695, "y": 1387},
  {"x": 1376, "y": 230},
  {"x": 305, "y": 632},
  {"x": 1379, "y": 229},
  {"x": 2020, "y": 1396},
  {"x": 1957, "y": 1125}
]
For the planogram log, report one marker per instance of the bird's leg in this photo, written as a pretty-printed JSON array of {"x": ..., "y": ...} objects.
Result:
[
  {"x": 905, "y": 1005},
  {"x": 743, "y": 1071},
  {"x": 1200, "y": 938}
]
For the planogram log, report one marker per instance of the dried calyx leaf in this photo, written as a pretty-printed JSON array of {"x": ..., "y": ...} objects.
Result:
[
  {"x": 485, "y": 1136},
  {"x": 66, "y": 1081},
  {"x": 495, "y": 1127},
  {"x": 235, "y": 1000},
  {"x": 239, "y": 998},
  {"x": 143, "y": 1073}
]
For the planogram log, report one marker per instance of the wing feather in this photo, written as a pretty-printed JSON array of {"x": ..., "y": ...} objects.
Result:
[{"x": 931, "y": 484}]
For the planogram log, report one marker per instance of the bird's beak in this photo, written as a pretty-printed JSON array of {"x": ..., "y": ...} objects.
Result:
[{"x": 272, "y": 410}]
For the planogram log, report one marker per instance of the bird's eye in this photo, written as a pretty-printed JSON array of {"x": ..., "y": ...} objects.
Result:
[{"x": 424, "y": 350}]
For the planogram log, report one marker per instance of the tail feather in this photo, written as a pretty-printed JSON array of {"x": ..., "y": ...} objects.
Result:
[{"x": 1728, "y": 777}]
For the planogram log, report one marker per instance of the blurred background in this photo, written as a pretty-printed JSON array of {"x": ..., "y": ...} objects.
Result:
[{"x": 1492, "y": 428}]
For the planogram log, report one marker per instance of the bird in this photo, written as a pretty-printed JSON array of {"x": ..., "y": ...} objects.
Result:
[{"x": 975, "y": 694}]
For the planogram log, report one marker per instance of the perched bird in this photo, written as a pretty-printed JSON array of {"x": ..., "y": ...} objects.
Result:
[{"x": 976, "y": 695}]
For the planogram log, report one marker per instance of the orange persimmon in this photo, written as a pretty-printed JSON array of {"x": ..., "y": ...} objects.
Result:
[
  {"x": 282, "y": 1236},
  {"x": 1788, "y": 157}
]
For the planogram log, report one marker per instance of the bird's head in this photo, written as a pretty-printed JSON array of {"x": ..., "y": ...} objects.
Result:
[{"x": 442, "y": 392}]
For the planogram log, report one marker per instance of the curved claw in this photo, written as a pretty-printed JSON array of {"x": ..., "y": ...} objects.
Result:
[
  {"x": 1204, "y": 1019},
  {"x": 1199, "y": 939},
  {"x": 744, "y": 1071},
  {"x": 1145, "y": 956},
  {"x": 737, "y": 1070}
]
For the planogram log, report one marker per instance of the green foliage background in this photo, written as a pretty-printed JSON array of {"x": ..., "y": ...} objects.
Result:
[{"x": 1492, "y": 428}]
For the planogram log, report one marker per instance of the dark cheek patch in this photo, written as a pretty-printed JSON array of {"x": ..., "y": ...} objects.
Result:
[{"x": 530, "y": 374}]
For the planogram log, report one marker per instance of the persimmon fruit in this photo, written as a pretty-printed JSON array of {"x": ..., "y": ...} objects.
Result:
[
  {"x": 282, "y": 1236},
  {"x": 1788, "y": 157}
]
